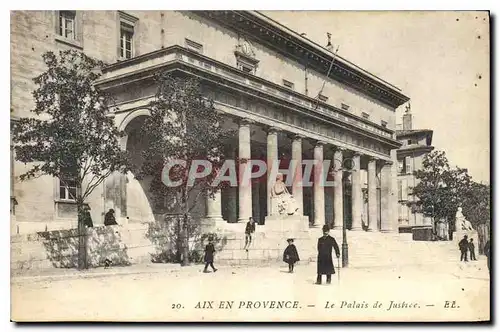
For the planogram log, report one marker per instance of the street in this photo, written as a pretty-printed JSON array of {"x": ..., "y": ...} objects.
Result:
[{"x": 452, "y": 292}]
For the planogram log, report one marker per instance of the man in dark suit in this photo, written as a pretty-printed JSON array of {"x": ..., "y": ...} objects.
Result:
[
  {"x": 463, "y": 245},
  {"x": 325, "y": 262}
]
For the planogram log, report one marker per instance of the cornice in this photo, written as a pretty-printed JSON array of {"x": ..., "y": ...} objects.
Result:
[
  {"x": 261, "y": 29},
  {"x": 212, "y": 71}
]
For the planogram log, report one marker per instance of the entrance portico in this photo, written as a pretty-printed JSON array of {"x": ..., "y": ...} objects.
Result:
[{"x": 279, "y": 124}]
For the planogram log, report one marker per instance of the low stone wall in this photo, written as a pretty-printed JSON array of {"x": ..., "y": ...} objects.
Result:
[{"x": 123, "y": 244}]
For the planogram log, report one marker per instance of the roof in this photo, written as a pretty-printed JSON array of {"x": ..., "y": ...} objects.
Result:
[
  {"x": 289, "y": 43},
  {"x": 411, "y": 132}
]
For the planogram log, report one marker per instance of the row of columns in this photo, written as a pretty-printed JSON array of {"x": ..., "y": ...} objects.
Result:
[{"x": 214, "y": 212}]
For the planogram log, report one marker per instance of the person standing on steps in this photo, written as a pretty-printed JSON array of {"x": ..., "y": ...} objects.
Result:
[
  {"x": 325, "y": 262},
  {"x": 463, "y": 245},
  {"x": 249, "y": 230},
  {"x": 209, "y": 256},
  {"x": 472, "y": 251},
  {"x": 290, "y": 255}
]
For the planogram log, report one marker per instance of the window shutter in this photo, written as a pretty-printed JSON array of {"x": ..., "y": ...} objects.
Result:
[
  {"x": 408, "y": 164},
  {"x": 404, "y": 190},
  {"x": 79, "y": 26},
  {"x": 57, "y": 22},
  {"x": 400, "y": 190}
]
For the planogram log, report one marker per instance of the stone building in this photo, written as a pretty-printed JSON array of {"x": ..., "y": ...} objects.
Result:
[
  {"x": 270, "y": 82},
  {"x": 416, "y": 143}
]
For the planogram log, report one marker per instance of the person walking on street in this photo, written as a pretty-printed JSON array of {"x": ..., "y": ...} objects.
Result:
[
  {"x": 249, "y": 230},
  {"x": 325, "y": 262},
  {"x": 463, "y": 245},
  {"x": 472, "y": 251},
  {"x": 209, "y": 256},
  {"x": 487, "y": 252},
  {"x": 290, "y": 255}
]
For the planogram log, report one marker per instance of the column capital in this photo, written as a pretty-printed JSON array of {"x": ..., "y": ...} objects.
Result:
[
  {"x": 245, "y": 121},
  {"x": 272, "y": 130},
  {"x": 296, "y": 137},
  {"x": 386, "y": 162},
  {"x": 338, "y": 149},
  {"x": 372, "y": 158},
  {"x": 356, "y": 154},
  {"x": 319, "y": 143}
]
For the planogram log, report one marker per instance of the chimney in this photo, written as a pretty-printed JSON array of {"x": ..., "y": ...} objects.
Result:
[
  {"x": 407, "y": 121},
  {"x": 407, "y": 118}
]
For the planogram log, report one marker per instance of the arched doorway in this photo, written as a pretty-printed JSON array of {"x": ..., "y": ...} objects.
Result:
[{"x": 139, "y": 203}]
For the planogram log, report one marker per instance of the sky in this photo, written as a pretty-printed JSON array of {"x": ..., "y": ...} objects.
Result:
[{"x": 438, "y": 59}]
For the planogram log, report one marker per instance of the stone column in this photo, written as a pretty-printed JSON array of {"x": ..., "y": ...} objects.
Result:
[
  {"x": 318, "y": 188},
  {"x": 214, "y": 207},
  {"x": 338, "y": 192},
  {"x": 272, "y": 157},
  {"x": 394, "y": 192},
  {"x": 385, "y": 194},
  {"x": 372, "y": 195},
  {"x": 244, "y": 185},
  {"x": 231, "y": 194},
  {"x": 357, "y": 193},
  {"x": 297, "y": 180}
]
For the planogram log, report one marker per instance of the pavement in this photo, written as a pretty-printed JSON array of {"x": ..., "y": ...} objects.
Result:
[{"x": 167, "y": 292}]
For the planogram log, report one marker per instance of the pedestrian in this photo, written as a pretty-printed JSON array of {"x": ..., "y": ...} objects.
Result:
[
  {"x": 209, "y": 255},
  {"x": 463, "y": 245},
  {"x": 290, "y": 255},
  {"x": 325, "y": 262},
  {"x": 472, "y": 251},
  {"x": 87, "y": 218},
  {"x": 109, "y": 218},
  {"x": 487, "y": 252},
  {"x": 249, "y": 230}
]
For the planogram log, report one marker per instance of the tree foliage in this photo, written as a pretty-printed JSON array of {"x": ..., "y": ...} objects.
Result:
[
  {"x": 70, "y": 132},
  {"x": 441, "y": 189},
  {"x": 476, "y": 204},
  {"x": 183, "y": 125}
]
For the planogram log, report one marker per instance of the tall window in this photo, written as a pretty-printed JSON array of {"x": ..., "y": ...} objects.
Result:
[
  {"x": 67, "y": 26},
  {"x": 408, "y": 165},
  {"x": 126, "y": 40},
  {"x": 67, "y": 185}
]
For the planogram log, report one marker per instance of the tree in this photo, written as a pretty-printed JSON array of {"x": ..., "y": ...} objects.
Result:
[
  {"x": 183, "y": 125},
  {"x": 476, "y": 208},
  {"x": 440, "y": 189},
  {"x": 70, "y": 136}
]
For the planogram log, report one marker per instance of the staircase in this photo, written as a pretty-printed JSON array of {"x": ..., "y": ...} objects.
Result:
[{"x": 366, "y": 249}]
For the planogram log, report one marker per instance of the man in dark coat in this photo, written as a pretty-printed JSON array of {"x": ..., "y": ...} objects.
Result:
[
  {"x": 209, "y": 256},
  {"x": 109, "y": 218},
  {"x": 472, "y": 251},
  {"x": 463, "y": 245},
  {"x": 487, "y": 252},
  {"x": 325, "y": 262},
  {"x": 87, "y": 218},
  {"x": 291, "y": 255}
]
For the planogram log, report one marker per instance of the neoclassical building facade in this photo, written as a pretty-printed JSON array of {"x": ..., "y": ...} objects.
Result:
[{"x": 287, "y": 98}]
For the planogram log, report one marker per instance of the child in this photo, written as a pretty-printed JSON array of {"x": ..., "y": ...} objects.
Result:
[
  {"x": 291, "y": 256},
  {"x": 209, "y": 255}
]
